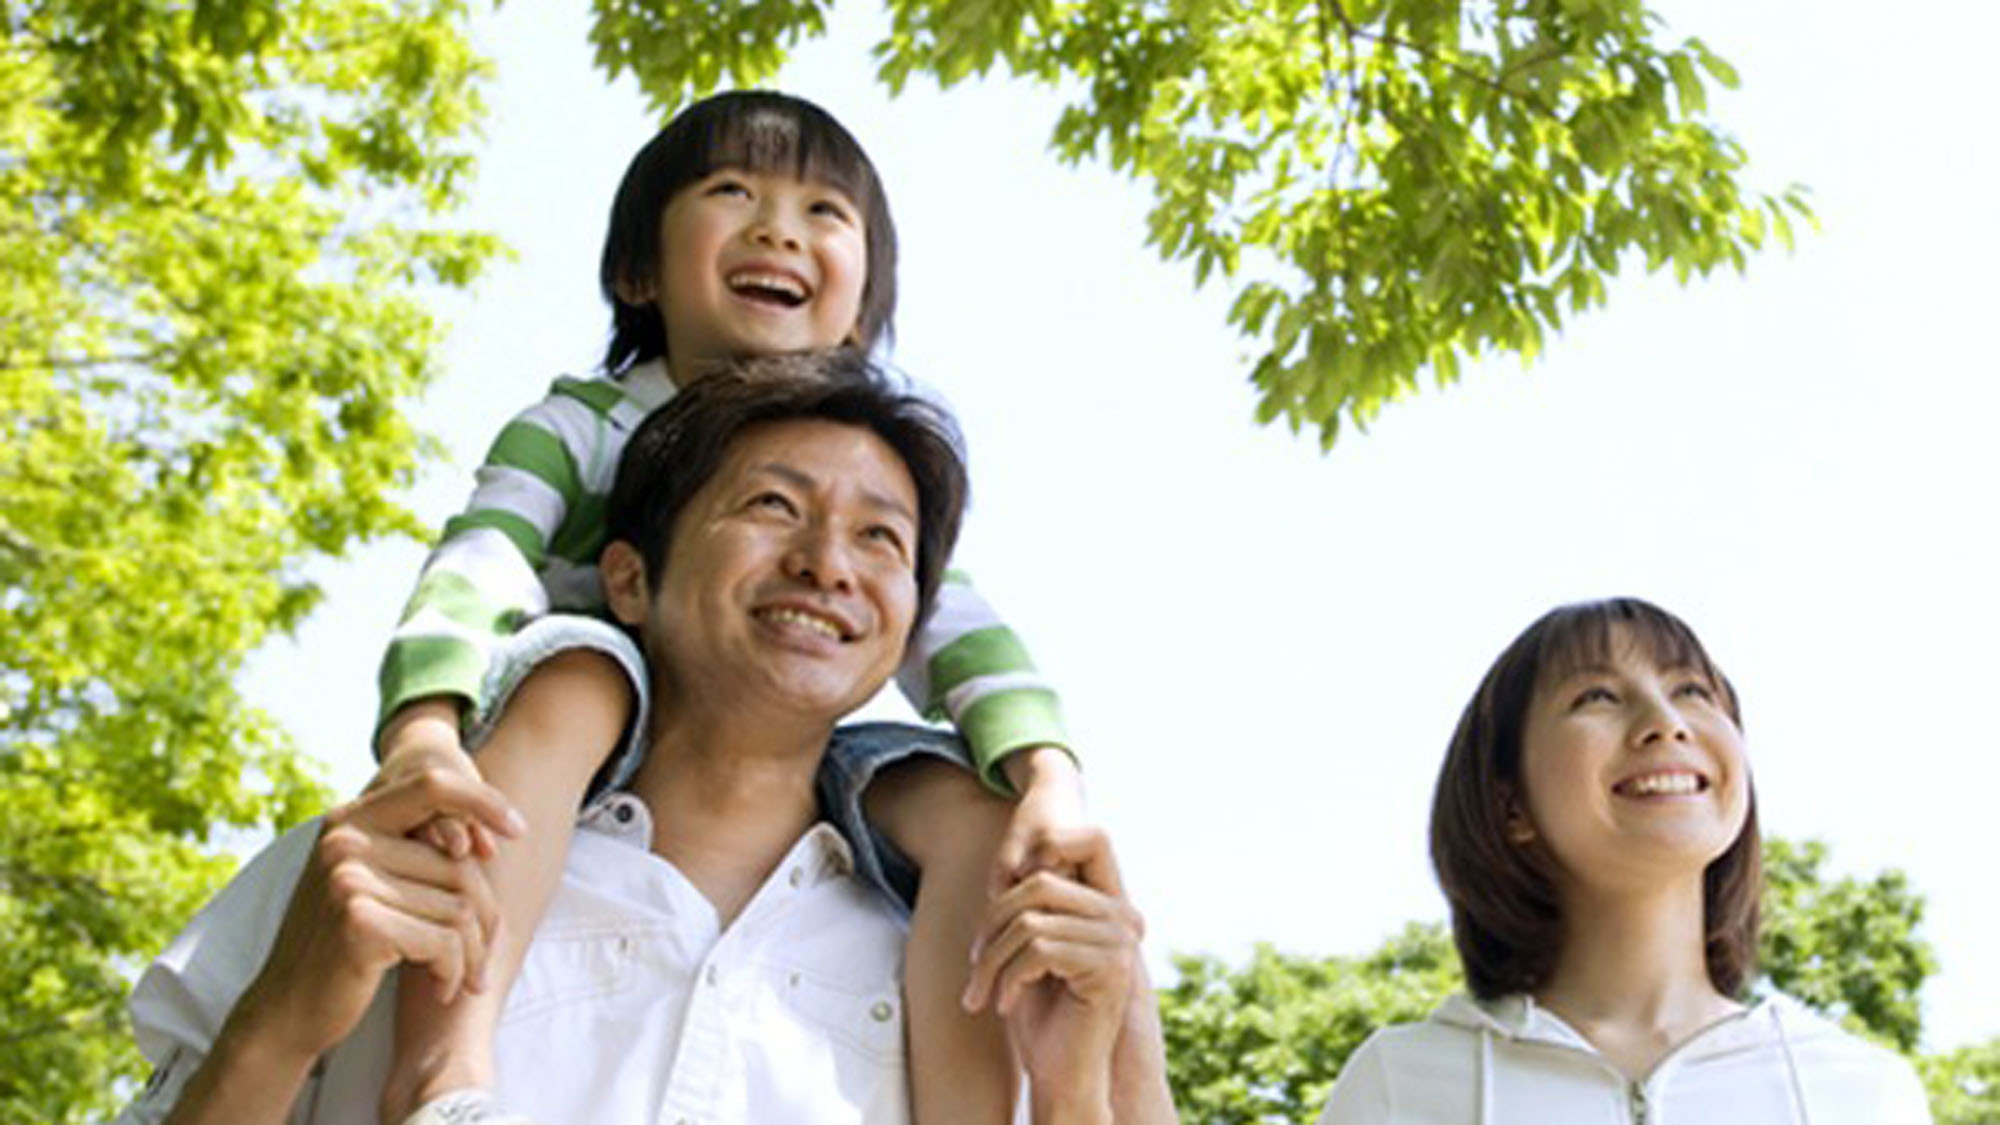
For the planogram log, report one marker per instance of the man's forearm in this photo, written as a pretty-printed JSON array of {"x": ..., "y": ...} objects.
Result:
[
  {"x": 1139, "y": 1091},
  {"x": 247, "y": 1079}
]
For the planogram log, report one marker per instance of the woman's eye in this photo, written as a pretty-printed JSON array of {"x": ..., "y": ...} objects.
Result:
[{"x": 1595, "y": 693}]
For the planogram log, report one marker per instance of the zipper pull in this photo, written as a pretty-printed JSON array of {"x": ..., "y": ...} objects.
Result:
[{"x": 1636, "y": 1095}]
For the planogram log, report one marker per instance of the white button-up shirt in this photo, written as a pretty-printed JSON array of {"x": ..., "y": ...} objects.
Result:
[{"x": 635, "y": 1004}]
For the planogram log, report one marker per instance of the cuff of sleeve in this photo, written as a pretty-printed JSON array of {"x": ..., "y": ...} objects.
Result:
[
  {"x": 520, "y": 654},
  {"x": 426, "y": 667},
  {"x": 999, "y": 725}
]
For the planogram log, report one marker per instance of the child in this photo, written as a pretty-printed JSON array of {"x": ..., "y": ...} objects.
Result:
[
  {"x": 1595, "y": 832},
  {"x": 753, "y": 224}
]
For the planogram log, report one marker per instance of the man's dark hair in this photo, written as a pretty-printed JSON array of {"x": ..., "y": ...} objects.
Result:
[
  {"x": 681, "y": 445},
  {"x": 1506, "y": 916},
  {"x": 756, "y": 131}
]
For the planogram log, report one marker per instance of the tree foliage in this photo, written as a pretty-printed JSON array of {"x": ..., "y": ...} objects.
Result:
[
  {"x": 1847, "y": 946},
  {"x": 1264, "y": 1042},
  {"x": 213, "y": 217},
  {"x": 1964, "y": 1084},
  {"x": 1392, "y": 187}
]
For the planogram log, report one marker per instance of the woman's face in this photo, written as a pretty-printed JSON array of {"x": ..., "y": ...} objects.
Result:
[{"x": 1634, "y": 774}]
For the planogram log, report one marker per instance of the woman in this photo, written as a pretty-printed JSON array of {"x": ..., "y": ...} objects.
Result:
[{"x": 1595, "y": 832}]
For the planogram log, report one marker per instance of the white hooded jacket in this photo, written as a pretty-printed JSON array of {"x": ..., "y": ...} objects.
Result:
[{"x": 1510, "y": 1062}]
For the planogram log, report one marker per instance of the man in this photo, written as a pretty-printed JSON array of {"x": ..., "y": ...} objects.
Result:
[{"x": 711, "y": 955}]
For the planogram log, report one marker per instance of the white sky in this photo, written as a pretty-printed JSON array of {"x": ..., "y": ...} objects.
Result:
[{"x": 1263, "y": 650}]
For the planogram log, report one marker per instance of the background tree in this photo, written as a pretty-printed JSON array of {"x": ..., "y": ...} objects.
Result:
[
  {"x": 1964, "y": 1084},
  {"x": 1264, "y": 1042},
  {"x": 212, "y": 220},
  {"x": 1847, "y": 946},
  {"x": 1391, "y": 186}
]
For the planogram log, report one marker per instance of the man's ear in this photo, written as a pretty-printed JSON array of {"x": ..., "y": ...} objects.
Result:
[{"x": 623, "y": 574}]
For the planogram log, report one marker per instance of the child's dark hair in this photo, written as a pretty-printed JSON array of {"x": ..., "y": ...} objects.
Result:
[
  {"x": 756, "y": 131},
  {"x": 1506, "y": 917}
]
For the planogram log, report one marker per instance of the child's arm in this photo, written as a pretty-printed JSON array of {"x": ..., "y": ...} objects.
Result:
[
  {"x": 558, "y": 729},
  {"x": 533, "y": 516},
  {"x": 531, "y": 519},
  {"x": 967, "y": 665},
  {"x": 963, "y": 1065}
]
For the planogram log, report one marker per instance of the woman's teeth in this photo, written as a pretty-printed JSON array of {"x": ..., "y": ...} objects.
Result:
[{"x": 1661, "y": 784}]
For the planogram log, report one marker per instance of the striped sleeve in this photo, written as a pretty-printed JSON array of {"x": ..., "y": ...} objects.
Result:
[
  {"x": 484, "y": 579},
  {"x": 967, "y": 666}
]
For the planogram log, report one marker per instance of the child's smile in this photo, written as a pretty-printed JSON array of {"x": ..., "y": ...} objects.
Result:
[{"x": 758, "y": 263}]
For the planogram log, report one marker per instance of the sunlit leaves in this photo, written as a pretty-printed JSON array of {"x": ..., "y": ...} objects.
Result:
[
  {"x": 1394, "y": 187},
  {"x": 1847, "y": 946},
  {"x": 213, "y": 221},
  {"x": 1964, "y": 1085}
]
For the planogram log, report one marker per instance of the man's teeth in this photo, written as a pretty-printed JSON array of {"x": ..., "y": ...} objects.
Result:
[
  {"x": 804, "y": 620},
  {"x": 1669, "y": 784}
]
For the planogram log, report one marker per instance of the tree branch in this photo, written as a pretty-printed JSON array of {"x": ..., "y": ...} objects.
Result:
[{"x": 1496, "y": 85}]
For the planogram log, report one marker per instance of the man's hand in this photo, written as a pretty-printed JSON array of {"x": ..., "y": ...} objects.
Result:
[
  {"x": 370, "y": 898},
  {"x": 1050, "y": 810},
  {"x": 1058, "y": 957}
]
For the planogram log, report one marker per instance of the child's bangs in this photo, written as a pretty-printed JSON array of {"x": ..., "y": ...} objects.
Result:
[
  {"x": 1581, "y": 636},
  {"x": 776, "y": 139}
]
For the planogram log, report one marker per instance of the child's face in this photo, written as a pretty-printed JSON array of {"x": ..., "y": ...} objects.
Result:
[
  {"x": 1634, "y": 774},
  {"x": 757, "y": 263}
]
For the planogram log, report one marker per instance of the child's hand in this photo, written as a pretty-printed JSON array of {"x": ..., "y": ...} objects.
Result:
[
  {"x": 420, "y": 738},
  {"x": 1048, "y": 814}
]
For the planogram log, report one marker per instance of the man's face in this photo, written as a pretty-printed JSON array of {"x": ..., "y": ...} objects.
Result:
[{"x": 791, "y": 578}]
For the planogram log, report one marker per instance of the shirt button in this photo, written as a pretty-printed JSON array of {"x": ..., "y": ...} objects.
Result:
[
  {"x": 881, "y": 1011},
  {"x": 622, "y": 813}
]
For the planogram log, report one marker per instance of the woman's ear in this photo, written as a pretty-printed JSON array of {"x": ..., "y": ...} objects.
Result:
[
  {"x": 1520, "y": 828},
  {"x": 623, "y": 574}
]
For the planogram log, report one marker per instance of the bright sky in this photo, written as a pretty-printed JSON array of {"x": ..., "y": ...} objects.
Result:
[{"x": 1262, "y": 649}]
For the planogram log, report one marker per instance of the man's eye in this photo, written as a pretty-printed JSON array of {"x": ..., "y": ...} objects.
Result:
[
  {"x": 883, "y": 533},
  {"x": 774, "y": 501}
]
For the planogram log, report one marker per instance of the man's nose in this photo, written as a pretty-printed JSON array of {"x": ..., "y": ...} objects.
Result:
[{"x": 820, "y": 558}]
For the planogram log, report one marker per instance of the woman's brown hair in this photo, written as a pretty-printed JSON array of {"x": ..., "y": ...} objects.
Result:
[{"x": 1506, "y": 916}]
